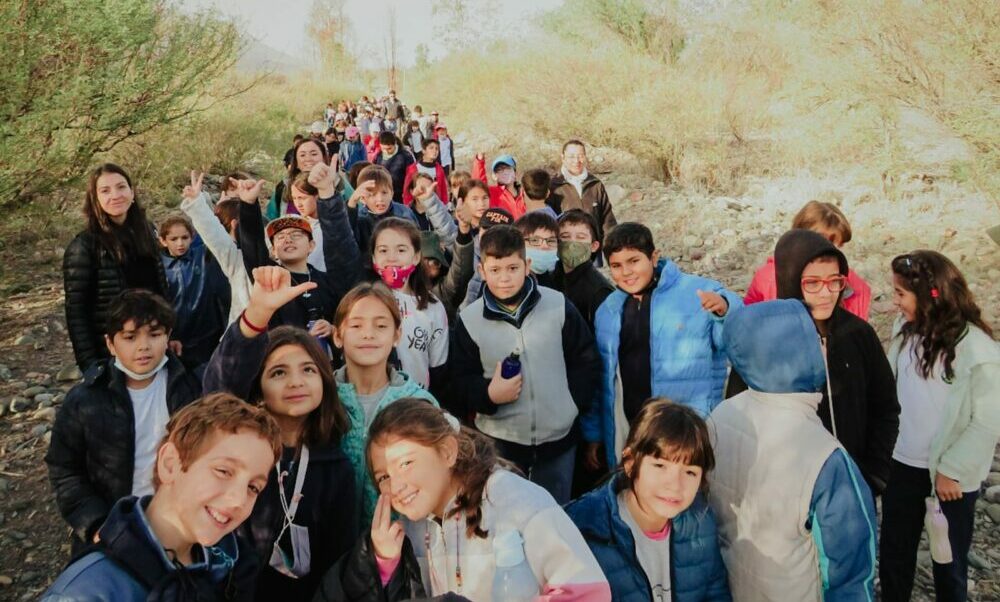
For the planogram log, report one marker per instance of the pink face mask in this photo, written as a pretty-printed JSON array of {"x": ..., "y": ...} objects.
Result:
[{"x": 395, "y": 277}]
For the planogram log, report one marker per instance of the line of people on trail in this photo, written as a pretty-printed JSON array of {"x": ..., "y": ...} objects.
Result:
[{"x": 386, "y": 384}]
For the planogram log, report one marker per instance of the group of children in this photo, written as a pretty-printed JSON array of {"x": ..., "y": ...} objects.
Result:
[{"x": 385, "y": 388}]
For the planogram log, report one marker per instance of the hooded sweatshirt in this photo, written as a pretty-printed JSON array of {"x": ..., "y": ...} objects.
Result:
[
  {"x": 796, "y": 520},
  {"x": 866, "y": 411},
  {"x": 130, "y": 564}
]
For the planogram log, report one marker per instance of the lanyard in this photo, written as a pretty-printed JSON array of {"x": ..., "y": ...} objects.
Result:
[{"x": 300, "y": 479}]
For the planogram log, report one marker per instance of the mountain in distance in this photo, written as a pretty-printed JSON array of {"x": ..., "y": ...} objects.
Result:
[{"x": 258, "y": 57}]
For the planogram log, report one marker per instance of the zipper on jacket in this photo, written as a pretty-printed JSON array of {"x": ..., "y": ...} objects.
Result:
[{"x": 531, "y": 397}]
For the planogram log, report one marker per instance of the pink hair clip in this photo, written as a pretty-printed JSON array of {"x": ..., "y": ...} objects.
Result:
[{"x": 934, "y": 293}]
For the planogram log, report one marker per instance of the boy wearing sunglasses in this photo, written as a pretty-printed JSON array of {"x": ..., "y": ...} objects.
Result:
[{"x": 860, "y": 387}]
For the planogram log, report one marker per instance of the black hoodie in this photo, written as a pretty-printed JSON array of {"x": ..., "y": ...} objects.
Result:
[{"x": 860, "y": 378}]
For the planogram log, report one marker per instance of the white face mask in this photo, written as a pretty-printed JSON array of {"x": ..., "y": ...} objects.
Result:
[
  {"x": 136, "y": 375},
  {"x": 506, "y": 177}
]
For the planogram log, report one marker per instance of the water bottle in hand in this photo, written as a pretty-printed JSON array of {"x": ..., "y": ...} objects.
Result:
[{"x": 511, "y": 365}]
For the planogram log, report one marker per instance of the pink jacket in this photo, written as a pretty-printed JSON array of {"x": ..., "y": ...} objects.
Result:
[{"x": 764, "y": 287}]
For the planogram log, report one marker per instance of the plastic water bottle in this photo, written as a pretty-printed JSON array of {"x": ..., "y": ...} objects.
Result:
[
  {"x": 324, "y": 342},
  {"x": 513, "y": 580},
  {"x": 937, "y": 531},
  {"x": 511, "y": 365}
]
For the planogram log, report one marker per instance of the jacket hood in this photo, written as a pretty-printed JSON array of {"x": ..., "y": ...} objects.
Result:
[
  {"x": 794, "y": 251},
  {"x": 128, "y": 539},
  {"x": 774, "y": 347}
]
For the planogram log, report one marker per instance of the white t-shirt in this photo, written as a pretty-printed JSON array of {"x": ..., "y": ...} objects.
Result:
[
  {"x": 151, "y": 416},
  {"x": 922, "y": 404},
  {"x": 445, "y": 151},
  {"x": 653, "y": 553},
  {"x": 424, "y": 344}
]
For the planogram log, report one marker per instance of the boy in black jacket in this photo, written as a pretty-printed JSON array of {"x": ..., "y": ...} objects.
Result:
[
  {"x": 531, "y": 415},
  {"x": 576, "y": 275},
  {"x": 178, "y": 543},
  {"x": 106, "y": 434}
]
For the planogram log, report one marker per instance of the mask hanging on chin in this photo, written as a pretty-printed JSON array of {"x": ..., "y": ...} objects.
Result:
[{"x": 136, "y": 375}]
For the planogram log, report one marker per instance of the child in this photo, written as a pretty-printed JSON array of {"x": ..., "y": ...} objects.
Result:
[
  {"x": 575, "y": 274},
  {"x": 307, "y": 154},
  {"x": 477, "y": 200},
  {"x": 455, "y": 181},
  {"x": 576, "y": 188},
  {"x": 650, "y": 526},
  {"x": 292, "y": 244},
  {"x": 947, "y": 366},
  {"x": 308, "y": 514},
  {"x": 828, "y": 220},
  {"x": 352, "y": 150},
  {"x": 449, "y": 280},
  {"x": 796, "y": 520},
  {"x": 413, "y": 139},
  {"x": 447, "y": 148},
  {"x": 459, "y": 504},
  {"x": 375, "y": 193},
  {"x": 198, "y": 289},
  {"x": 541, "y": 237},
  {"x": 659, "y": 334},
  {"x": 366, "y": 328},
  {"x": 117, "y": 250},
  {"x": 305, "y": 196},
  {"x": 860, "y": 386},
  {"x": 106, "y": 433},
  {"x": 531, "y": 415},
  {"x": 430, "y": 167},
  {"x": 209, "y": 469},
  {"x": 508, "y": 193},
  {"x": 536, "y": 184},
  {"x": 219, "y": 230},
  {"x": 395, "y": 160},
  {"x": 290, "y": 153}
]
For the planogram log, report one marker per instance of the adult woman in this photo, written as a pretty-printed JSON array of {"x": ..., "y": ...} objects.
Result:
[{"x": 117, "y": 250}]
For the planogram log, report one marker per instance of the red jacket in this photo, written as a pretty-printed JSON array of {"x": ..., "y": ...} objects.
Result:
[
  {"x": 439, "y": 179},
  {"x": 500, "y": 196},
  {"x": 764, "y": 287}
]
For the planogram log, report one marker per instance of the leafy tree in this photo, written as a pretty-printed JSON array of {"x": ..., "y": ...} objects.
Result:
[{"x": 80, "y": 77}]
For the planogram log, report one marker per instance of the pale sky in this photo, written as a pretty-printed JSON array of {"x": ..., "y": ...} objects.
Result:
[{"x": 281, "y": 24}]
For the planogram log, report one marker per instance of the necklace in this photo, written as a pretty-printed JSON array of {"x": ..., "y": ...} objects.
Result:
[{"x": 435, "y": 586}]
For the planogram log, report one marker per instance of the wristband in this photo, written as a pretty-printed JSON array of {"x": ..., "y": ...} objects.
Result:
[{"x": 258, "y": 330}]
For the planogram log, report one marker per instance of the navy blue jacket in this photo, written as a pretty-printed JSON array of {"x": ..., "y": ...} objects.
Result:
[
  {"x": 697, "y": 573},
  {"x": 397, "y": 165},
  {"x": 130, "y": 564},
  {"x": 200, "y": 294}
]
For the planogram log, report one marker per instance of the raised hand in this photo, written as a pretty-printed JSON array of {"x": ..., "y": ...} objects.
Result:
[
  {"x": 249, "y": 190},
  {"x": 192, "y": 190},
  {"x": 387, "y": 535},
  {"x": 464, "y": 223},
  {"x": 272, "y": 289},
  {"x": 363, "y": 191},
  {"x": 713, "y": 302},
  {"x": 324, "y": 178},
  {"x": 423, "y": 188}
]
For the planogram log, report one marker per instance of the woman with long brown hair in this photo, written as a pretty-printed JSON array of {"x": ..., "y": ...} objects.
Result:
[
  {"x": 116, "y": 250},
  {"x": 947, "y": 366}
]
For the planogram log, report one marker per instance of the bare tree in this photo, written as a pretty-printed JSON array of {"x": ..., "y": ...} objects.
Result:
[
  {"x": 390, "y": 46},
  {"x": 329, "y": 27}
]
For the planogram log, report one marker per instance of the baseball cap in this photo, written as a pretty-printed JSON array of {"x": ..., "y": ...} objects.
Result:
[
  {"x": 288, "y": 221},
  {"x": 495, "y": 216},
  {"x": 351, "y": 131},
  {"x": 440, "y": 126},
  {"x": 503, "y": 160}
]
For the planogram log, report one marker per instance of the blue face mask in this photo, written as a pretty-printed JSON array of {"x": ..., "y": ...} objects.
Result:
[{"x": 542, "y": 260}]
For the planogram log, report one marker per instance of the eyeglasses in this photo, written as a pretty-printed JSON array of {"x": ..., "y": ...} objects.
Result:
[
  {"x": 537, "y": 241},
  {"x": 834, "y": 284},
  {"x": 289, "y": 236}
]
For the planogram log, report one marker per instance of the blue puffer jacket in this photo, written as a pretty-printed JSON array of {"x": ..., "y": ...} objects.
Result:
[
  {"x": 696, "y": 570},
  {"x": 131, "y": 565},
  {"x": 687, "y": 358}
]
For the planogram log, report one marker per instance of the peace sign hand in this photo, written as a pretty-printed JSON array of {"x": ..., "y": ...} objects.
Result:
[
  {"x": 192, "y": 190},
  {"x": 387, "y": 535}
]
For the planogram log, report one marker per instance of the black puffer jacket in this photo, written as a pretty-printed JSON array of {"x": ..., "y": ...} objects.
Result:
[
  {"x": 92, "y": 453},
  {"x": 355, "y": 577},
  {"x": 92, "y": 277}
]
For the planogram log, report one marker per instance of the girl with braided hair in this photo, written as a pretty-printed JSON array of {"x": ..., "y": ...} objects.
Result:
[{"x": 947, "y": 366}]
